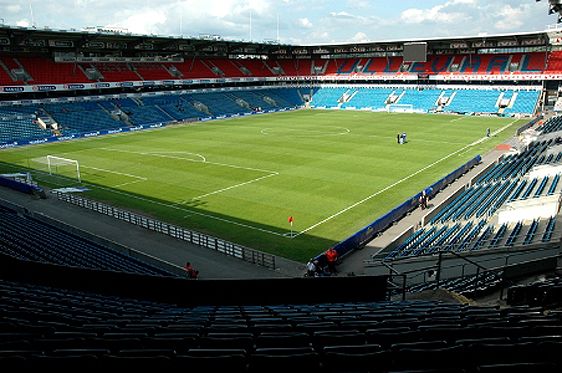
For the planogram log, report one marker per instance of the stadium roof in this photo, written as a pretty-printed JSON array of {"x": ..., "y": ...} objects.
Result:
[{"x": 21, "y": 39}]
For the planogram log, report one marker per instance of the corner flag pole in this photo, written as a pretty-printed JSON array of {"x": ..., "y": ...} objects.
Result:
[{"x": 291, "y": 222}]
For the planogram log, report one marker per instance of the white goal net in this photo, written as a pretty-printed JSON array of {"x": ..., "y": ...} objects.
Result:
[
  {"x": 400, "y": 108},
  {"x": 64, "y": 166}
]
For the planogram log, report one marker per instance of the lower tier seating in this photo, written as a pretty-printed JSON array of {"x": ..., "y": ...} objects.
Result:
[
  {"x": 29, "y": 239},
  {"x": 54, "y": 327}
]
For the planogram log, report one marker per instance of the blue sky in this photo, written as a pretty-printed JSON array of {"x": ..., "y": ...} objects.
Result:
[{"x": 300, "y": 21}]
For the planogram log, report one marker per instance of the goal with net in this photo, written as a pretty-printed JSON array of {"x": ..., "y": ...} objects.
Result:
[
  {"x": 58, "y": 164},
  {"x": 400, "y": 108}
]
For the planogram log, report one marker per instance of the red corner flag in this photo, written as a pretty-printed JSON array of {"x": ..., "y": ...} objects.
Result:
[{"x": 290, "y": 219}]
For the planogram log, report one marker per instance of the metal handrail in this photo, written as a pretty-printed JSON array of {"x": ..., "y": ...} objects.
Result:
[{"x": 200, "y": 239}]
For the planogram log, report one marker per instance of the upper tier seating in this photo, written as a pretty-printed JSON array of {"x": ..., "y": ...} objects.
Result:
[
  {"x": 226, "y": 66},
  {"x": 43, "y": 70},
  {"x": 195, "y": 68},
  {"x": 152, "y": 71},
  {"x": 5, "y": 78},
  {"x": 116, "y": 72},
  {"x": 554, "y": 62}
]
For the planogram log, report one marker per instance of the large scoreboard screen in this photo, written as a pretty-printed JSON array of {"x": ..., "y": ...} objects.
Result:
[{"x": 415, "y": 52}]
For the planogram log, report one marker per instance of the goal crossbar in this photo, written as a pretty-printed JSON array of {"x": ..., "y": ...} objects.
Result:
[{"x": 59, "y": 161}]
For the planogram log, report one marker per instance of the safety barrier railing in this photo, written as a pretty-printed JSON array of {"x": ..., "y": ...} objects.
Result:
[{"x": 196, "y": 238}]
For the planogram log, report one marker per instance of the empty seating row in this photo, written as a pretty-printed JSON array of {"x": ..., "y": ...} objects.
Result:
[
  {"x": 472, "y": 236},
  {"x": 30, "y": 239},
  {"x": 462, "y": 224},
  {"x": 84, "y": 116},
  {"x": 44, "y": 70},
  {"x": 427, "y": 100},
  {"x": 57, "y": 327}
]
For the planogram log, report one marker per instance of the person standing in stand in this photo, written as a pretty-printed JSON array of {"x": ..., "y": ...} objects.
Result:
[
  {"x": 312, "y": 268},
  {"x": 331, "y": 259},
  {"x": 191, "y": 272}
]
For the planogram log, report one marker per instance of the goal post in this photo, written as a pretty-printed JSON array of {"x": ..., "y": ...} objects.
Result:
[
  {"x": 53, "y": 162},
  {"x": 400, "y": 108}
]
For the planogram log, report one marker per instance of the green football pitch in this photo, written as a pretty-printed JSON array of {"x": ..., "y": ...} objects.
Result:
[{"x": 240, "y": 179}]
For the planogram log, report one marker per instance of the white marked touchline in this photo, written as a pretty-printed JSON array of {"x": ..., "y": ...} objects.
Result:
[
  {"x": 230, "y": 187},
  {"x": 417, "y": 140},
  {"x": 396, "y": 183}
]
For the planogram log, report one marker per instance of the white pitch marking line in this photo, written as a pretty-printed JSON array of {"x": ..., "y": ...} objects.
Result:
[
  {"x": 397, "y": 182},
  {"x": 202, "y": 157},
  {"x": 231, "y": 187},
  {"x": 457, "y": 119},
  {"x": 175, "y": 207},
  {"x": 418, "y": 140},
  {"x": 242, "y": 167},
  {"x": 493, "y": 133},
  {"x": 309, "y": 133},
  {"x": 116, "y": 172},
  {"x": 192, "y": 160},
  {"x": 129, "y": 183}
]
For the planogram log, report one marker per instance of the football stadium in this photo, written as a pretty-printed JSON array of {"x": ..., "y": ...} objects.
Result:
[{"x": 228, "y": 205}]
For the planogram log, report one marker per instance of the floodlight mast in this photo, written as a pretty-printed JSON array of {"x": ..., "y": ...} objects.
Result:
[{"x": 555, "y": 6}]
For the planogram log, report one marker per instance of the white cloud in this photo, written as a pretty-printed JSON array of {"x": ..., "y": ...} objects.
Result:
[
  {"x": 304, "y": 22},
  {"x": 463, "y": 2},
  {"x": 436, "y": 14},
  {"x": 360, "y": 37},
  {"x": 313, "y": 21},
  {"x": 510, "y": 18},
  {"x": 146, "y": 21},
  {"x": 23, "y": 23},
  {"x": 342, "y": 14}
]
